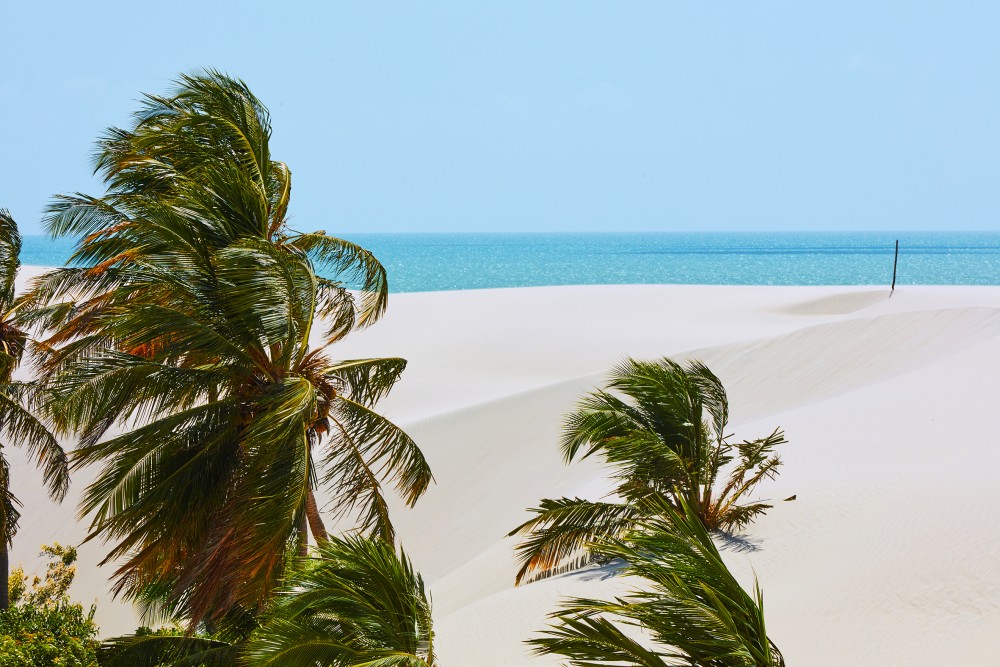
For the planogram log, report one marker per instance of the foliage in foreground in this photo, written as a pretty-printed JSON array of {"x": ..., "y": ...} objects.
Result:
[
  {"x": 188, "y": 318},
  {"x": 354, "y": 603},
  {"x": 693, "y": 612},
  {"x": 43, "y": 626},
  {"x": 663, "y": 434}
]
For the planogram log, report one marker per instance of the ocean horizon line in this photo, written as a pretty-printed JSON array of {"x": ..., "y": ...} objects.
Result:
[
  {"x": 533, "y": 232},
  {"x": 438, "y": 261}
]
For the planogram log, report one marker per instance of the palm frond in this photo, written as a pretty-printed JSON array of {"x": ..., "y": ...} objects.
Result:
[
  {"x": 336, "y": 305},
  {"x": 594, "y": 641},
  {"x": 81, "y": 215},
  {"x": 166, "y": 650},
  {"x": 365, "y": 449},
  {"x": 19, "y": 425},
  {"x": 738, "y": 517},
  {"x": 713, "y": 394},
  {"x": 268, "y": 296},
  {"x": 10, "y": 258},
  {"x": 386, "y": 448},
  {"x": 365, "y": 381},
  {"x": 356, "y": 602},
  {"x": 10, "y": 515},
  {"x": 564, "y": 528},
  {"x": 693, "y": 609},
  {"x": 350, "y": 263},
  {"x": 755, "y": 463},
  {"x": 599, "y": 419}
]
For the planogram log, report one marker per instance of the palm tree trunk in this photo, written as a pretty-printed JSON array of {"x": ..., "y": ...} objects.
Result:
[
  {"x": 4, "y": 578},
  {"x": 315, "y": 521}
]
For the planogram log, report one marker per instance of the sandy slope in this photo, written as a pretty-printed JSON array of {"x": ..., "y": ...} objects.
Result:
[{"x": 890, "y": 555}]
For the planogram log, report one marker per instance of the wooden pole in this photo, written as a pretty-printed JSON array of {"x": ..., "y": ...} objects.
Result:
[{"x": 895, "y": 262}]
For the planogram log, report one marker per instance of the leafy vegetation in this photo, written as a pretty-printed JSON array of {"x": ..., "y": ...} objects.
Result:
[
  {"x": 691, "y": 612},
  {"x": 355, "y": 602},
  {"x": 358, "y": 603},
  {"x": 43, "y": 626},
  {"x": 18, "y": 425},
  {"x": 188, "y": 319},
  {"x": 665, "y": 441}
]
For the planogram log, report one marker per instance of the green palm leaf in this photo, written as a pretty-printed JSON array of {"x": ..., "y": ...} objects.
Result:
[
  {"x": 692, "y": 609},
  {"x": 363, "y": 449},
  {"x": 356, "y": 264},
  {"x": 660, "y": 426},
  {"x": 160, "y": 650},
  {"x": 19, "y": 426},
  {"x": 10, "y": 261},
  {"x": 566, "y": 527},
  {"x": 357, "y": 603},
  {"x": 10, "y": 514}
]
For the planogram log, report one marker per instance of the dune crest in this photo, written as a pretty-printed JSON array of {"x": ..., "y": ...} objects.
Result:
[{"x": 838, "y": 304}]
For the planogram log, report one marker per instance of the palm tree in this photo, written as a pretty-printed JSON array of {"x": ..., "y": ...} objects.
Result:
[
  {"x": 185, "y": 319},
  {"x": 693, "y": 611},
  {"x": 18, "y": 426},
  {"x": 665, "y": 440},
  {"x": 354, "y": 602},
  {"x": 359, "y": 604}
]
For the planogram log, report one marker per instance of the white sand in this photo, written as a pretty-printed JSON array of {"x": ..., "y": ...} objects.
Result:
[{"x": 890, "y": 555}]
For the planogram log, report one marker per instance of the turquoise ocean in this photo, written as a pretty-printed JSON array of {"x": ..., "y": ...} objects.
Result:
[{"x": 433, "y": 262}]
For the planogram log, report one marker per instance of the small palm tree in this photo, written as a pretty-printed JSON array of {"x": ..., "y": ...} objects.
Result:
[
  {"x": 693, "y": 611},
  {"x": 188, "y": 319},
  {"x": 18, "y": 426},
  {"x": 665, "y": 441},
  {"x": 358, "y": 604},
  {"x": 354, "y": 603}
]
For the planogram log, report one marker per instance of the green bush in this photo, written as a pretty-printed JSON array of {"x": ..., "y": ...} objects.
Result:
[{"x": 43, "y": 627}]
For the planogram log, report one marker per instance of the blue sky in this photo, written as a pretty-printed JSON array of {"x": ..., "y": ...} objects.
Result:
[{"x": 545, "y": 116}]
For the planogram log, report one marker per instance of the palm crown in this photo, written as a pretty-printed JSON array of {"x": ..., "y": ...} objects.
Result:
[
  {"x": 185, "y": 321},
  {"x": 358, "y": 603},
  {"x": 663, "y": 433}
]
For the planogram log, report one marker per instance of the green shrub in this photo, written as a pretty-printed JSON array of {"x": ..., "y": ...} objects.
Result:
[{"x": 43, "y": 627}]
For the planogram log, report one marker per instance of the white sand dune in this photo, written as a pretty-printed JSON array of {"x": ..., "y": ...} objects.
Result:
[{"x": 889, "y": 556}]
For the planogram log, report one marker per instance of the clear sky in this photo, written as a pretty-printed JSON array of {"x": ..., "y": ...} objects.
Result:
[{"x": 544, "y": 116}]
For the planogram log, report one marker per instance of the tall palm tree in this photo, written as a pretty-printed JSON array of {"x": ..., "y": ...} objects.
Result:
[
  {"x": 185, "y": 320},
  {"x": 18, "y": 426},
  {"x": 354, "y": 602},
  {"x": 663, "y": 433},
  {"x": 692, "y": 611}
]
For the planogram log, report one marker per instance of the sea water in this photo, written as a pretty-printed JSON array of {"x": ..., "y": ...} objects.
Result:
[{"x": 431, "y": 262}]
